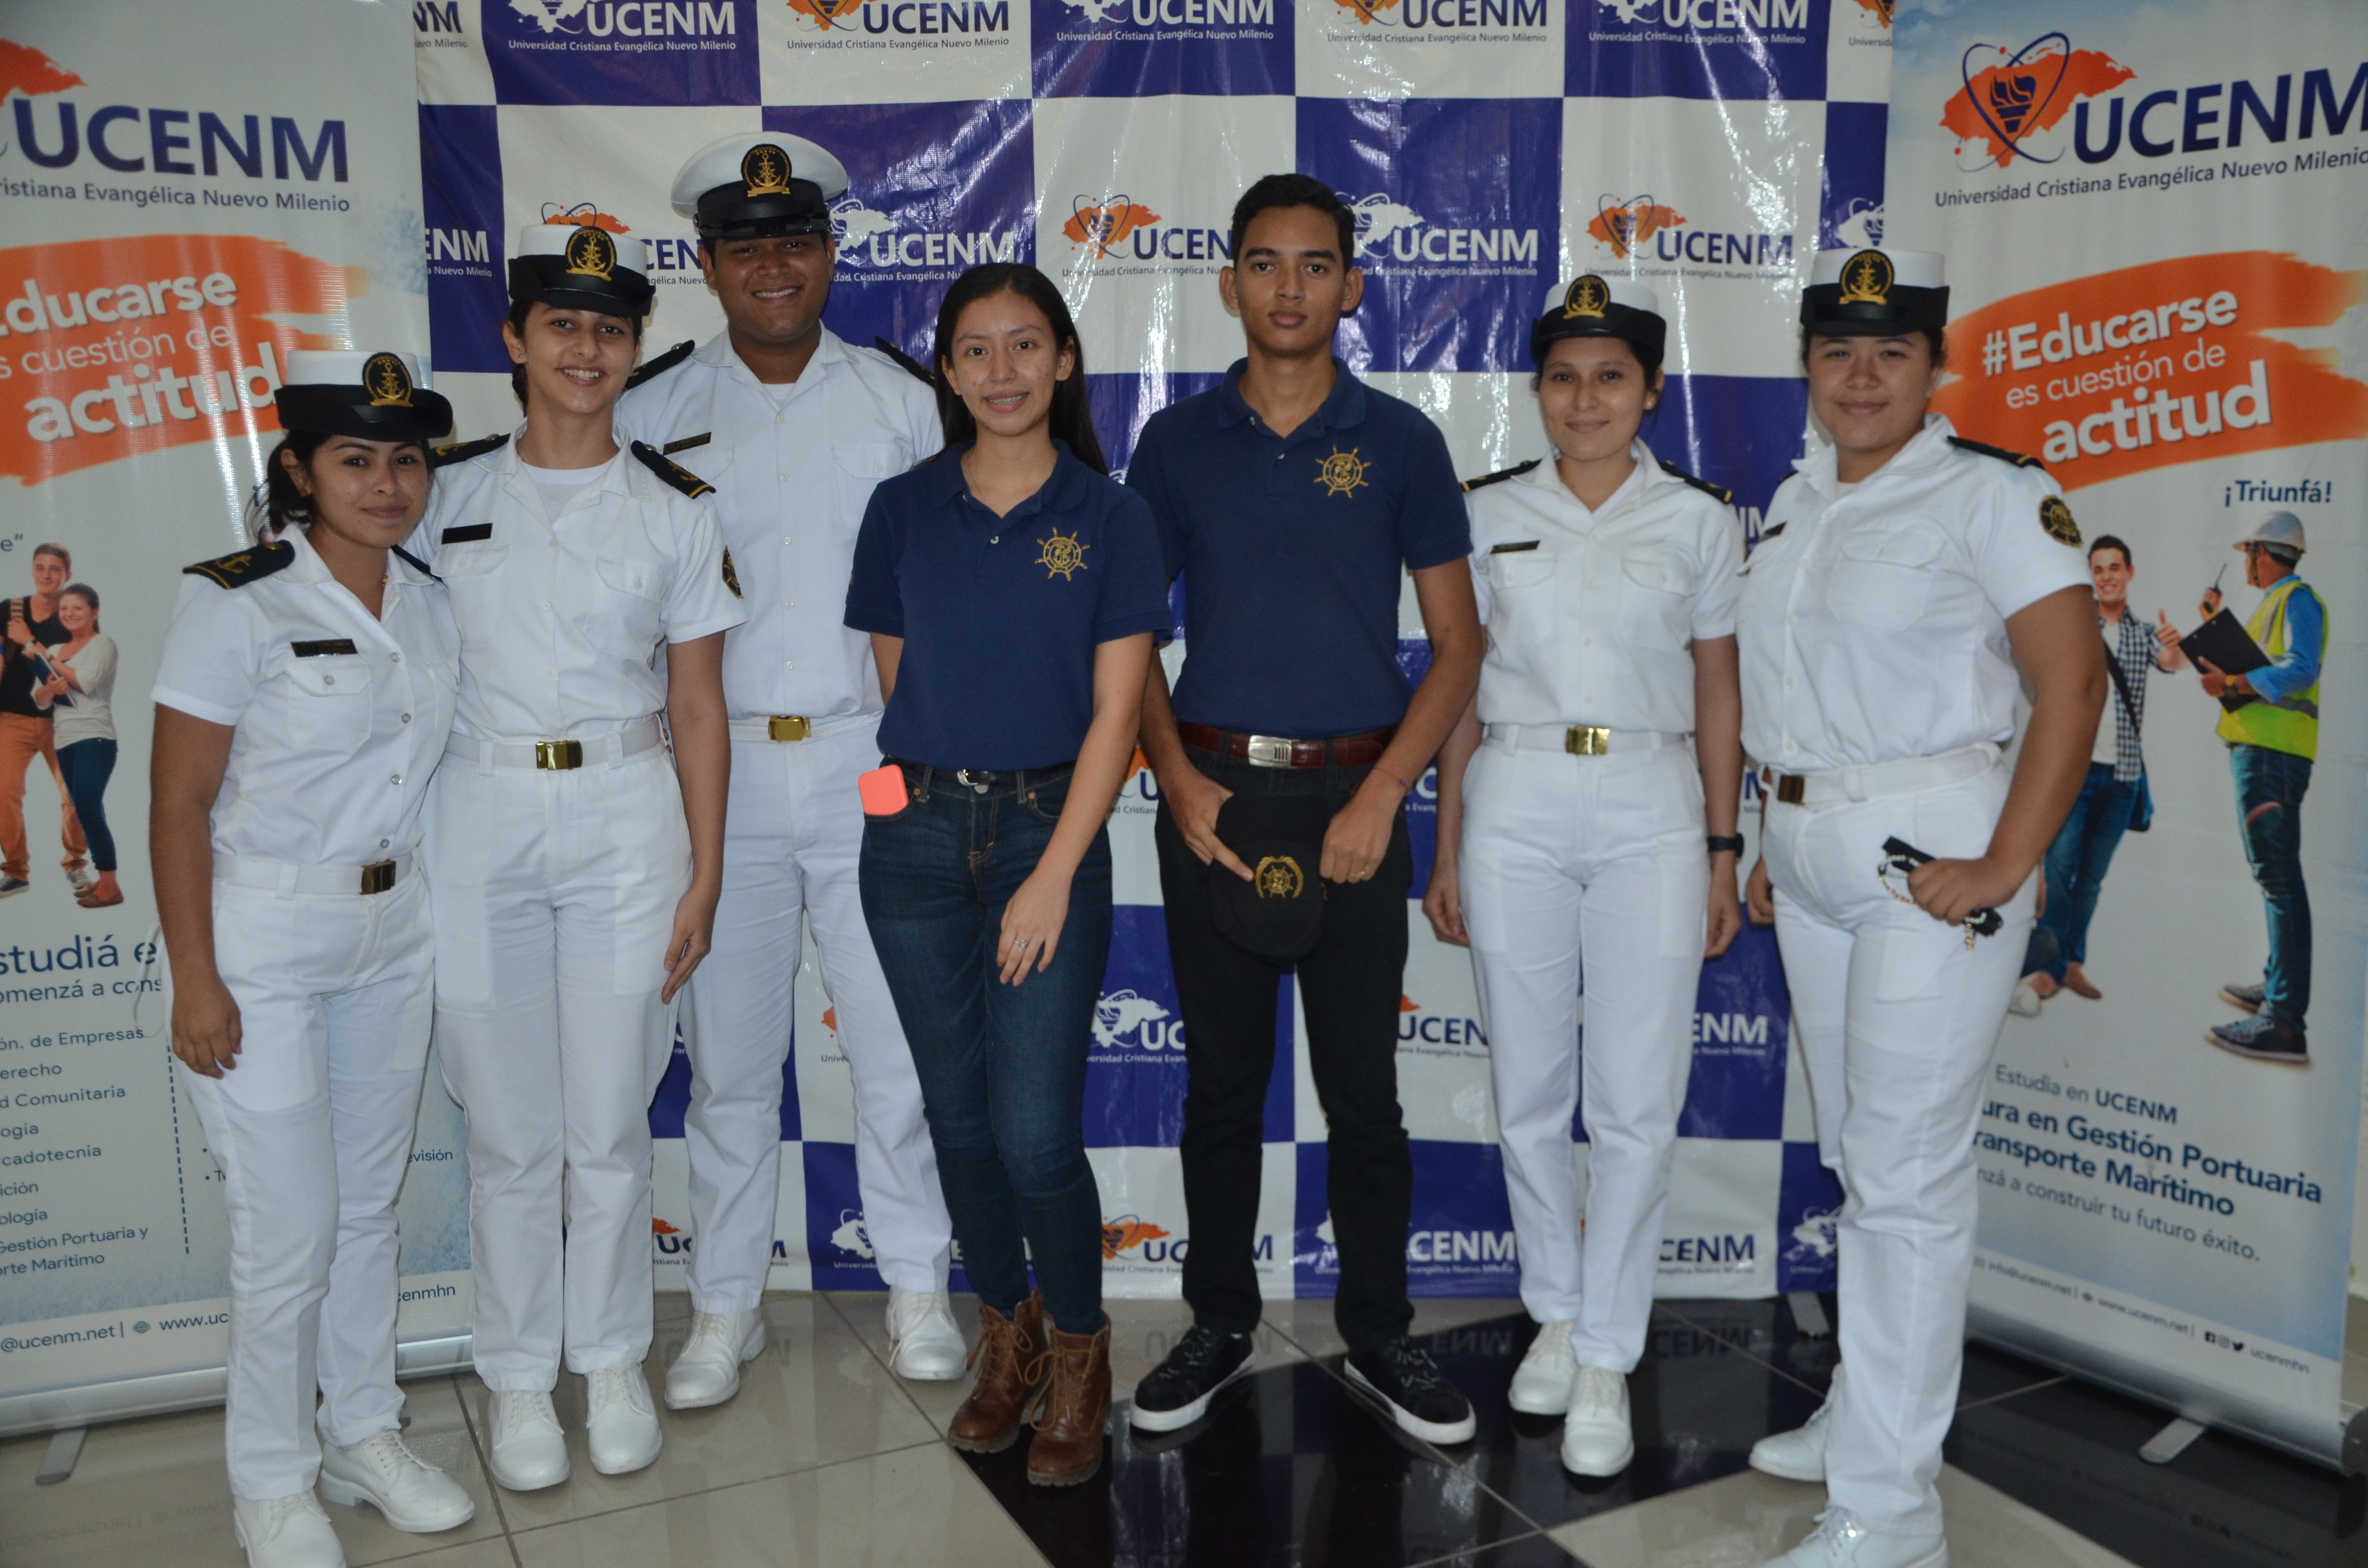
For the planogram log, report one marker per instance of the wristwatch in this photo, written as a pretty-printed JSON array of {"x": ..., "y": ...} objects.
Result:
[{"x": 1732, "y": 842}]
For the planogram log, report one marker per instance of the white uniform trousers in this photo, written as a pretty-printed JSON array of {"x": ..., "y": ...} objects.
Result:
[
  {"x": 555, "y": 895},
  {"x": 312, "y": 1129},
  {"x": 1594, "y": 869},
  {"x": 1896, "y": 1018},
  {"x": 793, "y": 835}
]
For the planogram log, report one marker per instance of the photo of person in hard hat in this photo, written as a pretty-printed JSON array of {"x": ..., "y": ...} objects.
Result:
[{"x": 2272, "y": 740}]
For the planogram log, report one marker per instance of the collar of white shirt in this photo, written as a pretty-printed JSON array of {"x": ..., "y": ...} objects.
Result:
[
  {"x": 1647, "y": 474},
  {"x": 717, "y": 352},
  {"x": 1924, "y": 451},
  {"x": 308, "y": 566},
  {"x": 512, "y": 470}
]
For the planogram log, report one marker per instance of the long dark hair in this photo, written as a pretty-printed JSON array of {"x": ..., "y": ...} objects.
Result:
[{"x": 1073, "y": 414}]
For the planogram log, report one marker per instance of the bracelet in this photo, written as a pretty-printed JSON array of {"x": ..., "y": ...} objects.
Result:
[{"x": 1732, "y": 842}]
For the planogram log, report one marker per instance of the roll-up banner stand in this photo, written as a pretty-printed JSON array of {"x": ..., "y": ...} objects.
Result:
[
  {"x": 187, "y": 193},
  {"x": 2152, "y": 218}
]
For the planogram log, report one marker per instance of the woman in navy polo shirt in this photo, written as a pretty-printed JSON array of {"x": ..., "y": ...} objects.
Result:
[{"x": 1012, "y": 591}]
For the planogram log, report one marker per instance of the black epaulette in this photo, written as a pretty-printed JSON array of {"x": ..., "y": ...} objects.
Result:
[
  {"x": 651, "y": 370},
  {"x": 421, "y": 566},
  {"x": 2018, "y": 459},
  {"x": 462, "y": 451},
  {"x": 673, "y": 473},
  {"x": 240, "y": 567},
  {"x": 912, "y": 367},
  {"x": 1766, "y": 534},
  {"x": 1502, "y": 475},
  {"x": 1717, "y": 493}
]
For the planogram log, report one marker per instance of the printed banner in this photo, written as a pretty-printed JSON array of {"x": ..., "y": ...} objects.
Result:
[
  {"x": 176, "y": 221},
  {"x": 2156, "y": 274}
]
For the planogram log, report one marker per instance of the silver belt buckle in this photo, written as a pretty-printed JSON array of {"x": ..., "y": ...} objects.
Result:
[
  {"x": 1269, "y": 751},
  {"x": 981, "y": 784}
]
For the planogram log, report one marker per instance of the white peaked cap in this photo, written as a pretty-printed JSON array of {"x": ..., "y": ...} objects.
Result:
[
  {"x": 719, "y": 163},
  {"x": 343, "y": 368},
  {"x": 1910, "y": 268},
  {"x": 1624, "y": 291},
  {"x": 550, "y": 239}
]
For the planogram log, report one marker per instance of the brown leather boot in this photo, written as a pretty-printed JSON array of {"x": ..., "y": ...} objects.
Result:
[
  {"x": 1009, "y": 1358},
  {"x": 1073, "y": 1409}
]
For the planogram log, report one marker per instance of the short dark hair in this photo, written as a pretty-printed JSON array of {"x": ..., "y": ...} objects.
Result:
[
  {"x": 57, "y": 550},
  {"x": 1295, "y": 190},
  {"x": 2112, "y": 542},
  {"x": 2285, "y": 553},
  {"x": 1073, "y": 414}
]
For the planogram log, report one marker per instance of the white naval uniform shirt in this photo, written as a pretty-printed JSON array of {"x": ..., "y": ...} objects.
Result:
[
  {"x": 792, "y": 476},
  {"x": 1592, "y": 616},
  {"x": 562, "y": 619},
  {"x": 1873, "y": 628},
  {"x": 333, "y": 751}
]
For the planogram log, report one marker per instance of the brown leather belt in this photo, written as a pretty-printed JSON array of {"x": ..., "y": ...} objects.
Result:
[{"x": 1279, "y": 751}]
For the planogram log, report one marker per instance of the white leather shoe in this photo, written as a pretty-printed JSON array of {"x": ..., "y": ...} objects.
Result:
[
  {"x": 928, "y": 1348},
  {"x": 1841, "y": 1541},
  {"x": 1797, "y": 1455},
  {"x": 1542, "y": 1383},
  {"x": 1595, "y": 1436},
  {"x": 411, "y": 1495},
  {"x": 286, "y": 1532},
  {"x": 622, "y": 1426},
  {"x": 528, "y": 1451},
  {"x": 708, "y": 1371}
]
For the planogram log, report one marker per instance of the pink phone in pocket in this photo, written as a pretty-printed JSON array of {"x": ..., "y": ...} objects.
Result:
[{"x": 883, "y": 792}]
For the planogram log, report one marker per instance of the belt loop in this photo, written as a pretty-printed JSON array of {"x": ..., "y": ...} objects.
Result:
[
  {"x": 921, "y": 790},
  {"x": 1854, "y": 784},
  {"x": 287, "y": 885}
]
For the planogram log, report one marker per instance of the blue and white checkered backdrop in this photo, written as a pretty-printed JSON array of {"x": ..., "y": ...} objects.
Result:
[{"x": 1706, "y": 147}]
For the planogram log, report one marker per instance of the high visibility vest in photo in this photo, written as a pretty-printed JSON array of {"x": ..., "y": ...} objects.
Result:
[{"x": 2290, "y": 724}]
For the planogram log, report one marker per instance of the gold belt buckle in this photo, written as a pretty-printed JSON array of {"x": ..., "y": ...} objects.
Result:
[
  {"x": 378, "y": 876},
  {"x": 1587, "y": 740},
  {"x": 789, "y": 727},
  {"x": 1267, "y": 751},
  {"x": 559, "y": 754},
  {"x": 1791, "y": 789}
]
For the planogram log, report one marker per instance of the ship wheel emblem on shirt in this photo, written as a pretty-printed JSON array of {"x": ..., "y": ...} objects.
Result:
[
  {"x": 1341, "y": 472},
  {"x": 1063, "y": 557}
]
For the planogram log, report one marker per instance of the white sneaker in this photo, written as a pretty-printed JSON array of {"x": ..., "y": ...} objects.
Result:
[
  {"x": 620, "y": 1426},
  {"x": 1542, "y": 1383},
  {"x": 2025, "y": 1001},
  {"x": 928, "y": 1348},
  {"x": 527, "y": 1452},
  {"x": 1841, "y": 1541},
  {"x": 411, "y": 1495},
  {"x": 286, "y": 1532},
  {"x": 1595, "y": 1436},
  {"x": 1797, "y": 1455},
  {"x": 708, "y": 1371}
]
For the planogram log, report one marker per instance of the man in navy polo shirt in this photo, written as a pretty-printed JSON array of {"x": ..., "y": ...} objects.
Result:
[{"x": 1292, "y": 498}]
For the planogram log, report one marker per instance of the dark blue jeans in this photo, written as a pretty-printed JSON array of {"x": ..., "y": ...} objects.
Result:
[
  {"x": 1002, "y": 1067},
  {"x": 2076, "y": 860},
  {"x": 2270, "y": 788},
  {"x": 86, "y": 767}
]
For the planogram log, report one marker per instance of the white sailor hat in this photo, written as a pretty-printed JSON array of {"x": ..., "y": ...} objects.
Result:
[
  {"x": 581, "y": 265},
  {"x": 1592, "y": 305},
  {"x": 378, "y": 396},
  {"x": 746, "y": 187},
  {"x": 1875, "y": 294}
]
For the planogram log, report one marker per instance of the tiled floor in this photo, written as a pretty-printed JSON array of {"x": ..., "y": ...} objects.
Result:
[{"x": 825, "y": 1458}]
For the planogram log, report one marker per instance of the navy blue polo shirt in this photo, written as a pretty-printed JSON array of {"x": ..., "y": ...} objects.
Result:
[
  {"x": 1001, "y": 615},
  {"x": 1291, "y": 548}
]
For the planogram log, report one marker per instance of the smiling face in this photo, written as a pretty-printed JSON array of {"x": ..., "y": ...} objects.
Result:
[
  {"x": 76, "y": 614},
  {"x": 1004, "y": 363},
  {"x": 49, "y": 574},
  {"x": 1594, "y": 395},
  {"x": 1869, "y": 394},
  {"x": 575, "y": 359},
  {"x": 369, "y": 494},
  {"x": 1290, "y": 283},
  {"x": 772, "y": 290},
  {"x": 2109, "y": 570}
]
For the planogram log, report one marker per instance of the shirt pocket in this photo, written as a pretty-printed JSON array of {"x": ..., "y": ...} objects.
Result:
[
  {"x": 1520, "y": 586},
  {"x": 859, "y": 466},
  {"x": 326, "y": 703},
  {"x": 1883, "y": 576},
  {"x": 629, "y": 618}
]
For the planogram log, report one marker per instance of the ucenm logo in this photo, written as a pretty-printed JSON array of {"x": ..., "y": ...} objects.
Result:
[
  {"x": 1445, "y": 15},
  {"x": 2012, "y": 97},
  {"x": 1641, "y": 228},
  {"x": 632, "y": 18},
  {"x": 1127, "y": 1232},
  {"x": 869, "y": 238},
  {"x": 931, "y": 18},
  {"x": 853, "y": 1236},
  {"x": 1174, "y": 13},
  {"x": 1124, "y": 1019},
  {"x": 1710, "y": 15},
  {"x": 1101, "y": 223},
  {"x": 1622, "y": 226},
  {"x": 1388, "y": 230}
]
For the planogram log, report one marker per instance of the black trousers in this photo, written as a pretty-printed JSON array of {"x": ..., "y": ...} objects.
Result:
[{"x": 1349, "y": 987}]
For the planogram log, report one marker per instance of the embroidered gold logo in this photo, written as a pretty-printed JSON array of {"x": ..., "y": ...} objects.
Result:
[
  {"x": 765, "y": 171},
  {"x": 1278, "y": 876},
  {"x": 388, "y": 383},
  {"x": 1588, "y": 296},
  {"x": 1866, "y": 280},
  {"x": 731, "y": 579},
  {"x": 2056, "y": 519},
  {"x": 1342, "y": 472},
  {"x": 1063, "y": 556},
  {"x": 592, "y": 254}
]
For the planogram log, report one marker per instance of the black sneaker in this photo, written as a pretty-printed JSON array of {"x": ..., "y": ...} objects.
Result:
[
  {"x": 1179, "y": 1390},
  {"x": 2263, "y": 1039},
  {"x": 2249, "y": 997},
  {"x": 1400, "y": 1373},
  {"x": 11, "y": 886}
]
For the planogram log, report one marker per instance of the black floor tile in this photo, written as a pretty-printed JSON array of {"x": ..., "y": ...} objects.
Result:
[
  {"x": 1766, "y": 1331},
  {"x": 1991, "y": 1373}
]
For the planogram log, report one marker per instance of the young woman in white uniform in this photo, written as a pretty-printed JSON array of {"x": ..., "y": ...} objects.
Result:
[
  {"x": 300, "y": 676},
  {"x": 1905, "y": 578},
  {"x": 575, "y": 861},
  {"x": 1607, "y": 584}
]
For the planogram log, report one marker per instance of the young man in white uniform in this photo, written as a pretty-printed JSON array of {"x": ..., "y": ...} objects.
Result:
[
  {"x": 793, "y": 427},
  {"x": 1907, "y": 577}
]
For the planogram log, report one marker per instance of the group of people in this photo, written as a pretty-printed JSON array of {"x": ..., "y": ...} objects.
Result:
[
  {"x": 57, "y": 690},
  {"x": 528, "y": 738}
]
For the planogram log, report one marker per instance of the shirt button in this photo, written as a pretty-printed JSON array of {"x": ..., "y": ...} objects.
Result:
[
  {"x": 396, "y": 657},
  {"x": 785, "y": 539},
  {"x": 406, "y": 718},
  {"x": 382, "y": 843},
  {"x": 396, "y": 779},
  {"x": 1789, "y": 683},
  {"x": 546, "y": 603},
  {"x": 1587, "y": 642},
  {"x": 788, "y": 663},
  {"x": 995, "y": 538},
  {"x": 551, "y": 672},
  {"x": 328, "y": 680}
]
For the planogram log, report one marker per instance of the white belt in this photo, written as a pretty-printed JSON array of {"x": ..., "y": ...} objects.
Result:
[
  {"x": 1845, "y": 784},
  {"x": 1579, "y": 740},
  {"x": 288, "y": 881},
  {"x": 793, "y": 727},
  {"x": 597, "y": 751}
]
